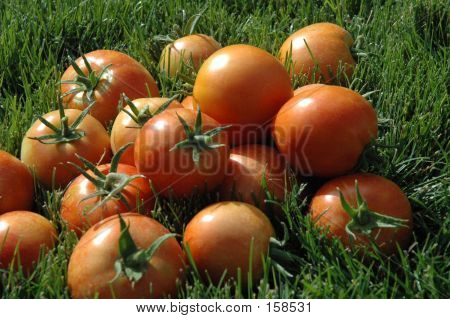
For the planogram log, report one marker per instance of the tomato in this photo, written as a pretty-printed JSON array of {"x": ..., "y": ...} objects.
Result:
[
  {"x": 88, "y": 139},
  {"x": 244, "y": 86},
  {"x": 379, "y": 195},
  {"x": 220, "y": 238},
  {"x": 324, "y": 130},
  {"x": 189, "y": 103},
  {"x": 16, "y": 184},
  {"x": 249, "y": 168},
  {"x": 22, "y": 236},
  {"x": 125, "y": 128},
  {"x": 307, "y": 88},
  {"x": 329, "y": 45},
  {"x": 190, "y": 50},
  {"x": 177, "y": 162},
  {"x": 92, "y": 266},
  {"x": 84, "y": 203},
  {"x": 106, "y": 76}
]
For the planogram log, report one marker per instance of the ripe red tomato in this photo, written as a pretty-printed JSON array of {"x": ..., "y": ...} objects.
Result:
[
  {"x": 380, "y": 196},
  {"x": 220, "y": 237},
  {"x": 92, "y": 266},
  {"x": 16, "y": 184},
  {"x": 191, "y": 50},
  {"x": 199, "y": 163},
  {"x": 329, "y": 45},
  {"x": 79, "y": 205},
  {"x": 249, "y": 168},
  {"x": 126, "y": 128},
  {"x": 22, "y": 236},
  {"x": 189, "y": 103},
  {"x": 106, "y": 76},
  {"x": 323, "y": 131},
  {"x": 88, "y": 139},
  {"x": 244, "y": 86}
]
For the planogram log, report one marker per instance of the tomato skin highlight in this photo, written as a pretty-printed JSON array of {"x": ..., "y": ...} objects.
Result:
[
  {"x": 219, "y": 238},
  {"x": 244, "y": 86},
  {"x": 16, "y": 184},
  {"x": 194, "y": 48},
  {"x": 382, "y": 196},
  {"x": 324, "y": 130},
  {"x": 124, "y": 75},
  {"x": 247, "y": 166},
  {"x": 27, "y": 232},
  {"x": 43, "y": 158},
  {"x": 329, "y": 44},
  {"x": 91, "y": 266},
  {"x": 74, "y": 209},
  {"x": 124, "y": 129},
  {"x": 174, "y": 172}
]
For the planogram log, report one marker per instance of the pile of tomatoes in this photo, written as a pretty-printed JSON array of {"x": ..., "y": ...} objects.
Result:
[{"x": 244, "y": 134}]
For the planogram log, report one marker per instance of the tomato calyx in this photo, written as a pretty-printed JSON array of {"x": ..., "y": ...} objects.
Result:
[
  {"x": 65, "y": 133},
  {"x": 140, "y": 117},
  {"x": 109, "y": 186},
  {"x": 363, "y": 220},
  {"x": 197, "y": 140},
  {"x": 133, "y": 262},
  {"x": 85, "y": 82}
]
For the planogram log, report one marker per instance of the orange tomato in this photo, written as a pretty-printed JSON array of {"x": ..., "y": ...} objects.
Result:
[
  {"x": 327, "y": 47},
  {"x": 173, "y": 170},
  {"x": 324, "y": 130},
  {"x": 45, "y": 158},
  {"x": 79, "y": 200},
  {"x": 115, "y": 73},
  {"x": 381, "y": 195},
  {"x": 248, "y": 167},
  {"x": 191, "y": 50},
  {"x": 125, "y": 129},
  {"x": 221, "y": 236},
  {"x": 23, "y": 235},
  {"x": 92, "y": 266},
  {"x": 16, "y": 184},
  {"x": 244, "y": 86}
]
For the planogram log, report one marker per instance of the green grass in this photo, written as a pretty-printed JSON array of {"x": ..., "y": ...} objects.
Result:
[{"x": 406, "y": 64}]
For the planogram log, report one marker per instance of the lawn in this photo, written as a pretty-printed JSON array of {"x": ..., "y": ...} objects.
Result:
[{"x": 403, "y": 62}]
